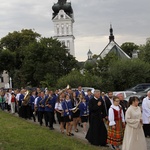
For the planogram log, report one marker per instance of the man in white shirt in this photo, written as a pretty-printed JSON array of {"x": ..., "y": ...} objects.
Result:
[{"x": 146, "y": 114}]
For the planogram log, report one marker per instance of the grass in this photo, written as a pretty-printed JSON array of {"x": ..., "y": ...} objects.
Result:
[{"x": 19, "y": 134}]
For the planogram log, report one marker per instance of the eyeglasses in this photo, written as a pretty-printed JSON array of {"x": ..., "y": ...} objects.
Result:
[{"x": 117, "y": 101}]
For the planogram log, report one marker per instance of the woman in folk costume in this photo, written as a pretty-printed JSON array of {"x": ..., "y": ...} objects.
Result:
[
  {"x": 146, "y": 114},
  {"x": 134, "y": 138},
  {"x": 116, "y": 124}
]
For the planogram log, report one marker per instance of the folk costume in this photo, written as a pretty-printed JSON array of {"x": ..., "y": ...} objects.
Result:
[
  {"x": 146, "y": 116},
  {"x": 97, "y": 133},
  {"x": 134, "y": 136},
  {"x": 116, "y": 117}
]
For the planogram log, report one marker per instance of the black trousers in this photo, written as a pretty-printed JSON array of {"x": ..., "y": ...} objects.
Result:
[
  {"x": 49, "y": 118},
  {"x": 41, "y": 115},
  {"x": 146, "y": 128}
]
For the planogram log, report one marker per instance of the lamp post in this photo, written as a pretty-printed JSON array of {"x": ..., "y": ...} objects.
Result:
[{"x": 10, "y": 79}]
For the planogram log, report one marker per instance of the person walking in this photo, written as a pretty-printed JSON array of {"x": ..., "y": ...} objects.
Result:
[
  {"x": 97, "y": 132},
  {"x": 116, "y": 124},
  {"x": 146, "y": 114},
  {"x": 134, "y": 136}
]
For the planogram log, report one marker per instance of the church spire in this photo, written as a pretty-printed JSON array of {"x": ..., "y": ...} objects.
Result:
[{"x": 111, "y": 37}]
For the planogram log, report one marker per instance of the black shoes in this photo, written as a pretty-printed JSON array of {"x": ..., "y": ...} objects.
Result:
[{"x": 51, "y": 128}]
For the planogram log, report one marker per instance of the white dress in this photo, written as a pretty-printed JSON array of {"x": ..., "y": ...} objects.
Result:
[{"x": 134, "y": 138}]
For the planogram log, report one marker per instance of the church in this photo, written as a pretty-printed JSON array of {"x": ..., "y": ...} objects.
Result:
[{"x": 63, "y": 19}]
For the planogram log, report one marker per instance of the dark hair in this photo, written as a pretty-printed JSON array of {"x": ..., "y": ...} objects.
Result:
[
  {"x": 115, "y": 97},
  {"x": 133, "y": 99},
  {"x": 89, "y": 90}
]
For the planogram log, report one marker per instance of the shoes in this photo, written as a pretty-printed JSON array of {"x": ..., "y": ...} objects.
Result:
[
  {"x": 71, "y": 134},
  {"x": 68, "y": 134},
  {"x": 104, "y": 145},
  {"x": 51, "y": 128},
  {"x": 113, "y": 147}
]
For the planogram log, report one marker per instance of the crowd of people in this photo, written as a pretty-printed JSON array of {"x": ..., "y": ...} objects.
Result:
[{"x": 111, "y": 119}]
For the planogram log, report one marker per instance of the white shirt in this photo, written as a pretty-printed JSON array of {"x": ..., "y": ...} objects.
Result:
[
  {"x": 111, "y": 115},
  {"x": 17, "y": 96},
  {"x": 146, "y": 110},
  {"x": 58, "y": 106},
  {"x": 35, "y": 101}
]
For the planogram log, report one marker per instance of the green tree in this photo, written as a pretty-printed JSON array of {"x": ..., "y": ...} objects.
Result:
[
  {"x": 127, "y": 73},
  {"x": 45, "y": 61},
  {"x": 76, "y": 78},
  {"x": 145, "y": 51},
  {"x": 16, "y": 41},
  {"x": 103, "y": 64},
  {"x": 128, "y": 47}
]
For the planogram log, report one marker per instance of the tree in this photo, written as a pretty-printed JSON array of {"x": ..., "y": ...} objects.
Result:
[
  {"x": 15, "y": 43},
  {"x": 128, "y": 48},
  {"x": 33, "y": 60},
  {"x": 76, "y": 78},
  {"x": 102, "y": 65},
  {"x": 46, "y": 60},
  {"x": 127, "y": 73},
  {"x": 145, "y": 51}
]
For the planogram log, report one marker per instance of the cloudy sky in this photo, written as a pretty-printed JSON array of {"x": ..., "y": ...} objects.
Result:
[{"x": 130, "y": 20}]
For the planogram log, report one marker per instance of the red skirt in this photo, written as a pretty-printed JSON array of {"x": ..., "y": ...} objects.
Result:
[{"x": 115, "y": 136}]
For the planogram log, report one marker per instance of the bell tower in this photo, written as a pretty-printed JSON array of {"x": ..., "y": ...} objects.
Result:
[{"x": 63, "y": 20}]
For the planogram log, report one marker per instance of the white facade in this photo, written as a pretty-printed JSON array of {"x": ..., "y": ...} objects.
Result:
[
  {"x": 4, "y": 80},
  {"x": 63, "y": 30}
]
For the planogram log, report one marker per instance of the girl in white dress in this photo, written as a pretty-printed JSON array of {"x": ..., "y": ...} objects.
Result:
[{"x": 134, "y": 138}]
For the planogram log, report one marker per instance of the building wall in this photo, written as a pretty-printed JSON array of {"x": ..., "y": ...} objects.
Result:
[
  {"x": 63, "y": 30},
  {"x": 4, "y": 80}
]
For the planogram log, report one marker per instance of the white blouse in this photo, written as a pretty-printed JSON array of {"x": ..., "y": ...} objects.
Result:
[
  {"x": 58, "y": 106},
  {"x": 111, "y": 115}
]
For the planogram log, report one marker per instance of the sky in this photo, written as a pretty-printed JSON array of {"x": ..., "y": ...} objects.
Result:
[{"x": 130, "y": 20}]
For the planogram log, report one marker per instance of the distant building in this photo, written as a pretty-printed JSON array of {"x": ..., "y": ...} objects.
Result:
[
  {"x": 63, "y": 20},
  {"x": 4, "y": 80},
  {"x": 90, "y": 60},
  {"x": 112, "y": 46}
]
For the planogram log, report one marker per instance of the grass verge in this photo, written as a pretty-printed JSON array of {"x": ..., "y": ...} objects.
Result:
[{"x": 19, "y": 134}]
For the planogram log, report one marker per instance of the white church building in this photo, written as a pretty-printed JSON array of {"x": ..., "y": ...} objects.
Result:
[{"x": 63, "y": 20}]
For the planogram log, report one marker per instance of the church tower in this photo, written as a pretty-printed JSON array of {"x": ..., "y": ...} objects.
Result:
[{"x": 63, "y": 20}]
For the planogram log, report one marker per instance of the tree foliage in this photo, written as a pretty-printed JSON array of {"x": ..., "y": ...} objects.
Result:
[
  {"x": 33, "y": 60},
  {"x": 128, "y": 48},
  {"x": 145, "y": 51},
  {"x": 76, "y": 78},
  {"x": 127, "y": 73}
]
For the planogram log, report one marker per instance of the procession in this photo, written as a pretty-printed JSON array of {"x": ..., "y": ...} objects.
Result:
[{"x": 105, "y": 120}]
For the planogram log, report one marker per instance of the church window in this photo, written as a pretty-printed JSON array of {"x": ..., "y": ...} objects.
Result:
[
  {"x": 67, "y": 29},
  {"x": 62, "y": 29},
  {"x": 1, "y": 79},
  {"x": 63, "y": 43},
  {"x": 57, "y": 29},
  {"x": 68, "y": 44}
]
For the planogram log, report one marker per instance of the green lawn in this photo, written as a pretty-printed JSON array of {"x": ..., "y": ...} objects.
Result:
[{"x": 19, "y": 134}]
